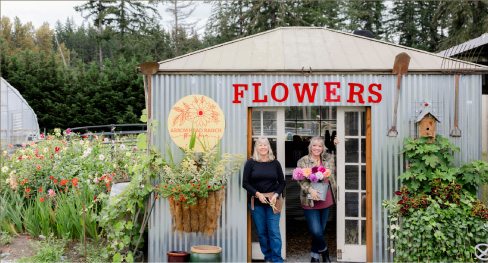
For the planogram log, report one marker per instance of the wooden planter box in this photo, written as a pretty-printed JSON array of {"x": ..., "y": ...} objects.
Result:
[{"x": 201, "y": 217}]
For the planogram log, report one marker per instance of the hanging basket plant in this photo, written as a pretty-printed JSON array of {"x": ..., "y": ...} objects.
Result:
[{"x": 196, "y": 188}]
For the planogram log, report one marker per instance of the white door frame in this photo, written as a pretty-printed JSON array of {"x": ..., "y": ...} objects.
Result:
[
  {"x": 346, "y": 252},
  {"x": 280, "y": 148}
]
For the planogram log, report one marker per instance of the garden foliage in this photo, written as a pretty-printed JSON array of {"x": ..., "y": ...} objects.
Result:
[
  {"x": 437, "y": 217},
  {"x": 61, "y": 187}
]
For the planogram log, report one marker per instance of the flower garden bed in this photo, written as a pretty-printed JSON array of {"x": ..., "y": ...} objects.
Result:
[{"x": 61, "y": 187}]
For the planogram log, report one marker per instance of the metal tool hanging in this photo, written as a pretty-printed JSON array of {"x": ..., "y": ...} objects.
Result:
[
  {"x": 456, "y": 66},
  {"x": 400, "y": 67}
]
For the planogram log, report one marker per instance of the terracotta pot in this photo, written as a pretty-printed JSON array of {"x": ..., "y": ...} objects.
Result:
[
  {"x": 206, "y": 254},
  {"x": 178, "y": 256}
]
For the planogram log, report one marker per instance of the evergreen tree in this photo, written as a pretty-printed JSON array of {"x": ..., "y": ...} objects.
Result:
[
  {"x": 98, "y": 10},
  {"x": 463, "y": 20},
  {"x": 366, "y": 15},
  {"x": 180, "y": 11},
  {"x": 131, "y": 17}
]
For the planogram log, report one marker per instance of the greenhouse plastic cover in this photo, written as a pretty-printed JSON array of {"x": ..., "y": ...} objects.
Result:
[{"x": 18, "y": 120}]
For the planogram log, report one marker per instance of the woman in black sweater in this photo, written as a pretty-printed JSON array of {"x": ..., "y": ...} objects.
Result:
[{"x": 263, "y": 174}]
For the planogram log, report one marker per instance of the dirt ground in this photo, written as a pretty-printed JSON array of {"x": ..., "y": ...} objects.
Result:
[
  {"x": 23, "y": 246},
  {"x": 19, "y": 248}
]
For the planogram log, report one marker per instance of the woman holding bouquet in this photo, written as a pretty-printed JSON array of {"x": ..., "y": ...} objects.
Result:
[
  {"x": 263, "y": 176},
  {"x": 311, "y": 170}
]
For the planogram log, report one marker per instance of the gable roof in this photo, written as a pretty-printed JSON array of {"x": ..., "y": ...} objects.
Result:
[{"x": 291, "y": 49}]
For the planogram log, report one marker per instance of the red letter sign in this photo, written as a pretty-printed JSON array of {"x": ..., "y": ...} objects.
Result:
[
  {"x": 273, "y": 92},
  {"x": 331, "y": 91},
  {"x": 238, "y": 93},
  {"x": 256, "y": 93},
  {"x": 358, "y": 93},
  {"x": 305, "y": 89},
  {"x": 372, "y": 92}
]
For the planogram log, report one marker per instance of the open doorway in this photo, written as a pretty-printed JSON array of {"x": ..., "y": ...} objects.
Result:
[
  {"x": 289, "y": 130},
  {"x": 302, "y": 124}
]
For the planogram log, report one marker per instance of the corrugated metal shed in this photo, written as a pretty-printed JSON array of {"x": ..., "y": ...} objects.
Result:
[
  {"x": 277, "y": 56},
  {"x": 289, "y": 49}
]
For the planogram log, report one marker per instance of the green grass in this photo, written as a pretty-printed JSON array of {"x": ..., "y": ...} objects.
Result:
[{"x": 49, "y": 250}]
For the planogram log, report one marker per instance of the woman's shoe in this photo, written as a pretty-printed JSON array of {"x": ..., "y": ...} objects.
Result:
[
  {"x": 314, "y": 260},
  {"x": 325, "y": 256}
]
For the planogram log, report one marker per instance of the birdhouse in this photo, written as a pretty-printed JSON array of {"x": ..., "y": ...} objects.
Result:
[{"x": 426, "y": 122}]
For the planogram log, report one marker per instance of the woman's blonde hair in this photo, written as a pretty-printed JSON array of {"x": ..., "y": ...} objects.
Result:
[
  {"x": 319, "y": 139},
  {"x": 255, "y": 155}
]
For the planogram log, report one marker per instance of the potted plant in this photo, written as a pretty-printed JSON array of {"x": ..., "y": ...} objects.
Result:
[{"x": 195, "y": 188}]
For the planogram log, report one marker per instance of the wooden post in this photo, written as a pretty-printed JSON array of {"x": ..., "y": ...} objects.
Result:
[
  {"x": 369, "y": 188},
  {"x": 249, "y": 153}
]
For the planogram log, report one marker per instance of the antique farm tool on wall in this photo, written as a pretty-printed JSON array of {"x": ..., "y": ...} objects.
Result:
[
  {"x": 148, "y": 69},
  {"x": 400, "y": 67},
  {"x": 456, "y": 66}
]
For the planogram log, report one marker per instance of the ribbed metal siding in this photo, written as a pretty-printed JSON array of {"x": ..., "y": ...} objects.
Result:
[{"x": 387, "y": 163}]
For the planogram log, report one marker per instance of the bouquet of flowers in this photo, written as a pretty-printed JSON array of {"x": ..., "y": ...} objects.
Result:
[{"x": 313, "y": 175}]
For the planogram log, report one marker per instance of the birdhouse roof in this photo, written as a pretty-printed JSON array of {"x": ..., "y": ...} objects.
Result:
[{"x": 426, "y": 110}]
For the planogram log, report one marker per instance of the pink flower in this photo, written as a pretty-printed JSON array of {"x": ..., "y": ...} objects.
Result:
[
  {"x": 134, "y": 148},
  {"x": 322, "y": 169},
  {"x": 319, "y": 175},
  {"x": 313, "y": 178},
  {"x": 307, "y": 172},
  {"x": 327, "y": 173},
  {"x": 68, "y": 131},
  {"x": 298, "y": 174},
  {"x": 315, "y": 169},
  {"x": 42, "y": 135},
  {"x": 51, "y": 193}
]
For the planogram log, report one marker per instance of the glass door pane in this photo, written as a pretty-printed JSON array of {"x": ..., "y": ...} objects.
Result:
[{"x": 351, "y": 175}]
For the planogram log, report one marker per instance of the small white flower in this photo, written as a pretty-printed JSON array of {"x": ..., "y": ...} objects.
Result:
[
  {"x": 392, "y": 250},
  {"x": 85, "y": 146},
  {"x": 88, "y": 181},
  {"x": 5, "y": 169},
  {"x": 125, "y": 166},
  {"x": 81, "y": 142},
  {"x": 7, "y": 181},
  {"x": 392, "y": 236},
  {"x": 394, "y": 219},
  {"x": 46, "y": 150},
  {"x": 101, "y": 157},
  {"x": 122, "y": 146},
  {"x": 114, "y": 165},
  {"x": 127, "y": 154},
  {"x": 89, "y": 150}
]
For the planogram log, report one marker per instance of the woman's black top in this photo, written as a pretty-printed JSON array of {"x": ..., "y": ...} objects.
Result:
[{"x": 263, "y": 177}]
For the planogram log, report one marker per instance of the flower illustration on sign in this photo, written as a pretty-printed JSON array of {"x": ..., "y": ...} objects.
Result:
[{"x": 200, "y": 112}]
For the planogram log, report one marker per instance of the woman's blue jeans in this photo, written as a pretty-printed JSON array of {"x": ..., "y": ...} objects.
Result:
[
  {"x": 317, "y": 220},
  {"x": 268, "y": 226}
]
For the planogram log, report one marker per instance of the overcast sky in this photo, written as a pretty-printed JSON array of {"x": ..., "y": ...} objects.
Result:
[{"x": 39, "y": 12}]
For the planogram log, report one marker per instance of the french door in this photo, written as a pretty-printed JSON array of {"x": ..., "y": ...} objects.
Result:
[
  {"x": 351, "y": 183},
  {"x": 270, "y": 123}
]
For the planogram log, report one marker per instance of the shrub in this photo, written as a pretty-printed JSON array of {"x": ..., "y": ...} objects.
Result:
[
  {"x": 437, "y": 217},
  {"x": 5, "y": 238},
  {"x": 429, "y": 161}
]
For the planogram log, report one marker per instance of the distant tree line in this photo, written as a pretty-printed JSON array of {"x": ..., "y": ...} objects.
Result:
[{"x": 76, "y": 75}]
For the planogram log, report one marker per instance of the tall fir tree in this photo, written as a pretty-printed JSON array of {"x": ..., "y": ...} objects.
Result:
[{"x": 366, "y": 15}]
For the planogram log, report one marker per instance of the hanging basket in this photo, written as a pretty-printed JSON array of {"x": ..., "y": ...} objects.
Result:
[{"x": 201, "y": 217}]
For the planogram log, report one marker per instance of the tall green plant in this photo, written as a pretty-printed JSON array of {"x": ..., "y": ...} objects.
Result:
[
  {"x": 431, "y": 161},
  {"x": 440, "y": 232}
]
